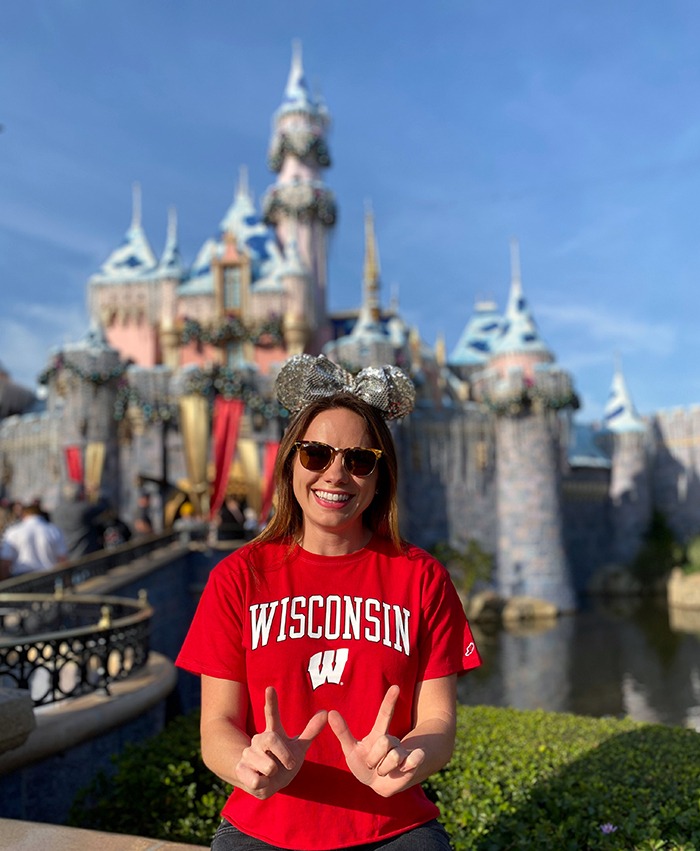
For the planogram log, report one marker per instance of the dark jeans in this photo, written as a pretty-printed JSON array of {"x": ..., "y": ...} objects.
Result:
[{"x": 428, "y": 837}]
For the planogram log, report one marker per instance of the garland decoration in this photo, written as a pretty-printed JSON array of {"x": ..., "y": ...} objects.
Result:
[
  {"x": 92, "y": 376},
  {"x": 231, "y": 329},
  {"x": 302, "y": 145},
  {"x": 527, "y": 398},
  {"x": 234, "y": 384},
  {"x": 311, "y": 202},
  {"x": 152, "y": 412}
]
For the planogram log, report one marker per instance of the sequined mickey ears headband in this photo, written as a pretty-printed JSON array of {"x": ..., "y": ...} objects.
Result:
[{"x": 304, "y": 379}]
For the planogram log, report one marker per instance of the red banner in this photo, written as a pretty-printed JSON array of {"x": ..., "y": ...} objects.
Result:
[
  {"x": 225, "y": 425},
  {"x": 74, "y": 463},
  {"x": 268, "y": 482}
]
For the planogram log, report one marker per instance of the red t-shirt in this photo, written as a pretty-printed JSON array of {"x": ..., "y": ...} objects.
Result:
[{"x": 328, "y": 632}]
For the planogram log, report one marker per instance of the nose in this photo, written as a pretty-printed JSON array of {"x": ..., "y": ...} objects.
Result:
[{"x": 336, "y": 470}]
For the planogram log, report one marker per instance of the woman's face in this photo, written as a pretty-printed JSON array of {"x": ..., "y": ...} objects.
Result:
[{"x": 333, "y": 501}]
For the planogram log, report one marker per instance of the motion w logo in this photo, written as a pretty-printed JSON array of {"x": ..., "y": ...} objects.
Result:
[{"x": 327, "y": 666}]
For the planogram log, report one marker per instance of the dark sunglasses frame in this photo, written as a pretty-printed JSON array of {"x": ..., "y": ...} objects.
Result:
[{"x": 348, "y": 454}]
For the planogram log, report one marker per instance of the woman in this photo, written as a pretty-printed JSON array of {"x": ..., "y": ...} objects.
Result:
[{"x": 328, "y": 648}]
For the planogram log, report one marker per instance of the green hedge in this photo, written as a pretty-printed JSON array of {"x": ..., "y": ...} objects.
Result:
[{"x": 518, "y": 780}]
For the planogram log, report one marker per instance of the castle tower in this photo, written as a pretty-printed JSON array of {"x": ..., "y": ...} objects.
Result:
[
  {"x": 125, "y": 295},
  {"x": 299, "y": 205},
  {"x": 295, "y": 279},
  {"x": 85, "y": 376},
  {"x": 171, "y": 271},
  {"x": 630, "y": 486},
  {"x": 527, "y": 393}
]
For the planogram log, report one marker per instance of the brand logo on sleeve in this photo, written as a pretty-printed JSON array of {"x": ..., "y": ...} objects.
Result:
[
  {"x": 327, "y": 666},
  {"x": 471, "y": 647}
]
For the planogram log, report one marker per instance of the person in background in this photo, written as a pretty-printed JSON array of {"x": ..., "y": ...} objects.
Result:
[
  {"x": 78, "y": 519},
  {"x": 328, "y": 647},
  {"x": 232, "y": 519},
  {"x": 32, "y": 544},
  {"x": 142, "y": 524},
  {"x": 112, "y": 529}
]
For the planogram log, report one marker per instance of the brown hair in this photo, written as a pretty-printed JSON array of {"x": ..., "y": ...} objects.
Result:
[{"x": 381, "y": 516}]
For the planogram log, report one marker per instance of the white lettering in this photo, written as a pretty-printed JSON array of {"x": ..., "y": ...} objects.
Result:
[
  {"x": 314, "y": 632},
  {"x": 332, "y": 630},
  {"x": 352, "y": 618},
  {"x": 403, "y": 641},
  {"x": 281, "y": 635},
  {"x": 372, "y": 636},
  {"x": 297, "y": 632},
  {"x": 260, "y": 628},
  {"x": 330, "y": 618}
]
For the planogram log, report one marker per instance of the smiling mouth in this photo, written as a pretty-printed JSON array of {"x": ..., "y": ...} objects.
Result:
[{"x": 333, "y": 496}]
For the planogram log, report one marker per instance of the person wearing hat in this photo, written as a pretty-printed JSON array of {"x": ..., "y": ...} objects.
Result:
[{"x": 328, "y": 647}]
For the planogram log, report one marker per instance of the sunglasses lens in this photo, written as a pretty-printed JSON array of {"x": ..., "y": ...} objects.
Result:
[
  {"x": 315, "y": 456},
  {"x": 360, "y": 462}
]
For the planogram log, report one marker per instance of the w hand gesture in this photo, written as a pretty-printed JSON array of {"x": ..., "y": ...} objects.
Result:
[
  {"x": 379, "y": 760},
  {"x": 273, "y": 758}
]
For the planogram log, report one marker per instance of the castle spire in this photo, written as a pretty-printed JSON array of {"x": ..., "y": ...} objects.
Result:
[
  {"x": 136, "y": 205},
  {"x": 371, "y": 271},
  {"x": 297, "y": 96},
  {"x": 134, "y": 257},
  {"x": 518, "y": 333},
  {"x": 620, "y": 414},
  {"x": 515, "y": 279},
  {"x": 171, "y": 260},
  {"x": 243, "y": 188}
]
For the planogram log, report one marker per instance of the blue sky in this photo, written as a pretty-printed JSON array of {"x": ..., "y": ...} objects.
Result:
[{"x": 573, "y": 127}]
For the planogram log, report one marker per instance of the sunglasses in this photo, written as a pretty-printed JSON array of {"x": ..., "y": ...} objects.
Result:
[{"x": 318, "y": 457}]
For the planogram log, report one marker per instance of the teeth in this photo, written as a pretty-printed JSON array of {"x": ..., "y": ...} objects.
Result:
[{"x": 331, "y": 496}]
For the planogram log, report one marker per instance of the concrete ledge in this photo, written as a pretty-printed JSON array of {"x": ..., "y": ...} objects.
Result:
[
  {"x": 64, "y": 725},
  {"x": 28, "y": 836},
  {"x": 16, "y": 718},
  {"x": 684, "y": 591}
]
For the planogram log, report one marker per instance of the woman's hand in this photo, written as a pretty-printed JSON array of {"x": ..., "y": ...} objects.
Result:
[
  {"x": 379, "y": 760},
  {"x": 273, "y": 759}
]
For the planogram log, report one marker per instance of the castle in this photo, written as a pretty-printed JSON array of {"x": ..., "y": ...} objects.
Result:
[{"x": 171, "y": 391}]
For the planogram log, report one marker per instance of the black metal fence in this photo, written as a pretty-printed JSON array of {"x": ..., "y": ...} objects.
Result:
[
  {"x": 81, "y": 570},
  {"x": 61, "y": 646}
]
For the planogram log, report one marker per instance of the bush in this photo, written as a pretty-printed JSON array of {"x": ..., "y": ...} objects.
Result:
[
  {"x": 692, "y": 556},
  {"x": 532, "y": 781},
  {"x": 543, "y": 781},
  {"x": 466, "y": 566},
  {"x": 160, "y": 788},
  {"x": 659, "y": 553}
]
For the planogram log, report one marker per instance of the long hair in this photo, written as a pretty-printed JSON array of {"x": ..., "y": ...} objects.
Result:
[{"x": 381, "y": 516}]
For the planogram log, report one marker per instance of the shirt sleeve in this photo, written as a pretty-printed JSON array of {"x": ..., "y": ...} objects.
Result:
[
  {"x": 214, "y": 643},
  {"x": 447, "y": 645}
]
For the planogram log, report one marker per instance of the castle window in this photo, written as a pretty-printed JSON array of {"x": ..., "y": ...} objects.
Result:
[{"x": 232, "y": 288}]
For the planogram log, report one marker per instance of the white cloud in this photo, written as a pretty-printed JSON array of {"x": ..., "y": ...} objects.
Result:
[{"x": 611, "y": 329}]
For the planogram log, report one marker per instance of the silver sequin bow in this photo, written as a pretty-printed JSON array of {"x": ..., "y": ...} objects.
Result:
[{"x": 304, "y": 379}]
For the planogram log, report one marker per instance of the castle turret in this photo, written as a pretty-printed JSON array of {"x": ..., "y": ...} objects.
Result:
[
  {"x": 172, "y": 270},
  {"x": 369, "y": 343},
  {"x": 527, "y": 391},
  {"x": 125, "y": 295},
  {"x": 295, "y": 281},
  {"x": 630, "y": 486},
  {"x": 299, "y": 205}
]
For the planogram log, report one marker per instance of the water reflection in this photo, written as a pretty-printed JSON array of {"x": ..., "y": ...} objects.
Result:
[{"x": 625, "y": 657}]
